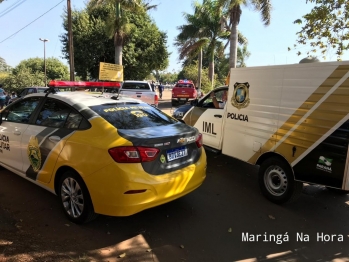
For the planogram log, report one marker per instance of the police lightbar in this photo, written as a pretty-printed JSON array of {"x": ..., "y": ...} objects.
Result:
[
  {"x": 185, "y": 81},
  {"x": 58, "y": 84}
]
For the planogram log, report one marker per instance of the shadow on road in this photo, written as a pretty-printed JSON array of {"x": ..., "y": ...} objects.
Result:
[{"x": 206, "y": 225}]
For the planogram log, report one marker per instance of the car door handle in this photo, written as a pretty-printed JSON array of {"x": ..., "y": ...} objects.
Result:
[
  {"x": 54, "y": 138},
  {"x": 219, "y": 116},
  {"x": 17, "y": 132}
]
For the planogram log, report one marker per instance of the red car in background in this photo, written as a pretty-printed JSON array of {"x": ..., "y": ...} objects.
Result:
[{"x": 183, "y": 91}]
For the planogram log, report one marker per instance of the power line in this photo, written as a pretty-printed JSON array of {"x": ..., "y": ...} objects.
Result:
[
  {"x": 10, "y": 8},
  {"x": 31, "y": 22}
]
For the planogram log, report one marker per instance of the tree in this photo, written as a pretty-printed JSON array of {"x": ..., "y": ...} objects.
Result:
[
  {"x": 326, "y": 27},
  {"x": 55, "y": 69},
  {"x": 233, "y": 12},
  {"x": 190, "y": 72},
  {"x": 242, "y": 55},
  {"x": 201, "y": 31},
  {"x": 3, "y": 66},
  {"x": 118, "y": 25},
  {"x": 23, "y": 78},
  {"x": 164, "y": 77},
  {"x": 144, "y": 52}
]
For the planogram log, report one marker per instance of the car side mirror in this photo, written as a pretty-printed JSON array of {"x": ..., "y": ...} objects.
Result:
[{"x": 194, "y": 102}]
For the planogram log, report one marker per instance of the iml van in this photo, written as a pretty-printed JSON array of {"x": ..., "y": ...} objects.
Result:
[{"x": 290, "y": 120}]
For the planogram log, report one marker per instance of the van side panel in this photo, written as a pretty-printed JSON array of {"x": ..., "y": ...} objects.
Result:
[
  {"x": 326, "y": 163},
  {"x": 251, "y": 130}
]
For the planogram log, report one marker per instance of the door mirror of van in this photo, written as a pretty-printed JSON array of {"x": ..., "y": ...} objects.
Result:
[{"x": 194, "y": 102}]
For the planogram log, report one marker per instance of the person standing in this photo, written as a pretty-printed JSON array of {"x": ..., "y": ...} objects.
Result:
[
  {"x": 2, "y": 97},
  {"x": 161, "y": 88},
  {"x": 152, "y": 86},
  {"x": 8, "y": 97}
]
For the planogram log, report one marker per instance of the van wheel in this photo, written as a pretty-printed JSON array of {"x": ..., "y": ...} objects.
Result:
[
  {"x": 276, "y": 181},
  {"x": 75, "y": 198}
]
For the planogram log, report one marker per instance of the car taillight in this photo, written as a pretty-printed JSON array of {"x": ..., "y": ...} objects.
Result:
[
  {"x": 199, "y": 141},
  {"x": 133, "y": 154},
  {"x": 156, "y": 98}
]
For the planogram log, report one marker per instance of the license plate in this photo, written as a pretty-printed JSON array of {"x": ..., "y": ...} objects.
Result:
[
  {"x": 182, "y": 99},
  {"x": 177, "y": 153}
]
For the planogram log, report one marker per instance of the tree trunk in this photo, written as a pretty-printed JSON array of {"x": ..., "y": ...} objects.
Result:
[
  {"x": 211, "y": 72},
  {"x": 118, "y": 42},
  {"x": 211, "y": 68},
  {"x": 199, "y": 71},
  {"x": 118, "y": 55},
  {"x": 235, "y": 18}
]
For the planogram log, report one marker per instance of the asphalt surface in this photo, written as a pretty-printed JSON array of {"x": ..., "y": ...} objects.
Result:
[{"x": 219, "y": 222}]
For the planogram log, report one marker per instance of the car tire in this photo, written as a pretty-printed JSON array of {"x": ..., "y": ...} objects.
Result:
[
  {"x": 75, "y": 198},
  {"x": 276, "y": 181},
  {"x": 174, "y": 103}
]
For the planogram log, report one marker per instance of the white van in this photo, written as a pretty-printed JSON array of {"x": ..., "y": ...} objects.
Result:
[{"x": 291, "y": 120}]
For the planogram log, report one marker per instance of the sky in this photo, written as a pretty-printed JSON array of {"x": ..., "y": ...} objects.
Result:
[{"x": 23, "y": 22}]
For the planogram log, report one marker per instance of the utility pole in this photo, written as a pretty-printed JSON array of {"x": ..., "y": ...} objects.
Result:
[
  {"x": 44, "y": 40},
  {"x": 70, "y": 43}
]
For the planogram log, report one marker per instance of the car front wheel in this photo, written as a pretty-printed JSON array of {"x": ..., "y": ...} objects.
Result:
[{"x": 75, "y": 199}]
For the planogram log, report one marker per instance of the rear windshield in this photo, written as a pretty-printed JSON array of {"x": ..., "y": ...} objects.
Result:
[
  {"x": 132, "y": 115},
  {"x": 185, "y": 85},
  {"x": 137, "y": 86},
  {"x": 41, "y": 90}
]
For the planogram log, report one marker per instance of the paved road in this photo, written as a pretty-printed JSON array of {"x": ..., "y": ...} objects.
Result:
[{"x": 206, "y": 225}]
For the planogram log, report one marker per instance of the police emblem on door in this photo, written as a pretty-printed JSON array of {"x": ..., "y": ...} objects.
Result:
[
  {"x": 240, "y": 98},
  {"x": 34, "y": 154}
]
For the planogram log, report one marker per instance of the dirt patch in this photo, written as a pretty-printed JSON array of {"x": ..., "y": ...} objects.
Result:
[{"x": 19, "y": 243}]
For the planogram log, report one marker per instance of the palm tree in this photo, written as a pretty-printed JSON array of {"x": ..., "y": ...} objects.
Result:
[
  {"x": 202, "y": 31},
  {"x": 242, "y": 55},
  {"x": 119, "y": 26},
  {"x": 233, "y": 9}
]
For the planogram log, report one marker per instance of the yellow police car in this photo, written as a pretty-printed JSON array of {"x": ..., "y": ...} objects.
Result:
[{"x": 114, "y": 156}]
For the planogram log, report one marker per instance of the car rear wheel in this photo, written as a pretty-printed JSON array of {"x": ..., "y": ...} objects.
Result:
[
  {"x": 75, "y": 198},
  {"x": 174, "y": 103},
  {"x": 276, "y": 181}
]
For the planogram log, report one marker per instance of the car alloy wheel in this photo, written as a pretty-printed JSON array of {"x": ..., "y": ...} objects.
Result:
[{"x": 72, "y": 197}]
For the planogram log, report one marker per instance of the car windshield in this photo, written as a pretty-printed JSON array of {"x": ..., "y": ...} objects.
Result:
[
  {"x": 137, "y": 86},
  {"x": 132, "y": 115},
  {"x": 41, "y": 90},
  {"x": 185, "y": 85}
]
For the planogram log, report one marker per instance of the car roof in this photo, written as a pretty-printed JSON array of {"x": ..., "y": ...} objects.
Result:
[
  {"x": 135, "y": 81},
  {"x": 87, "y": 99}
]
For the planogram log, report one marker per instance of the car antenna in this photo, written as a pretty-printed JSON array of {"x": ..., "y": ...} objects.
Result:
[
  {"x": 116, "y": 97},
  {"x": 50, "y": 90}
]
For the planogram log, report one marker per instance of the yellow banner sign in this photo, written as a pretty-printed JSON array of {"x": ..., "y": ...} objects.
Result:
[{"x": 111, "y": 72}]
